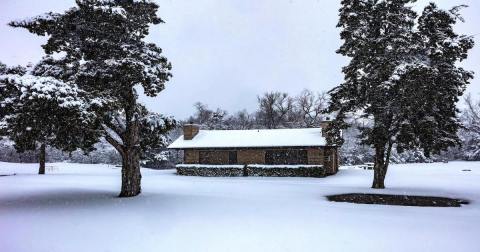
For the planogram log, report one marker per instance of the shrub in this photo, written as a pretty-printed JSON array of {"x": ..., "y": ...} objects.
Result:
[
  {"x": 210, "y": 170},
  {"x": 286, "y": 170}
]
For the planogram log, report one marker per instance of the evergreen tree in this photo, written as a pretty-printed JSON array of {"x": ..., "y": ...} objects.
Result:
[
  {"x": 433, "y": 83},
  {"x": 402, "y": 79},
  {"x": 104, "y": 41},
  {"x": 40, "y": 111}
]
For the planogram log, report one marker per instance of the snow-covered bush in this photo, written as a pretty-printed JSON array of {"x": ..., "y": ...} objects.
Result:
[
  {"x": 159, "y": 159},
  {"x": 256, "y": 170},
  {"x": 210, "y": 170},
  {"x": 285, "y": 170}
]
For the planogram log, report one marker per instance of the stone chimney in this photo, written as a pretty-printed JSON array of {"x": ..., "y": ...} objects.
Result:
[
  {"x": 190, "y": 131},
  {"x": 324, "y": 125}
]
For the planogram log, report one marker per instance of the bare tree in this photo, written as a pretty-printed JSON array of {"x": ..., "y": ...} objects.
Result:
[
  {"x": 470, "y": 135},
  {"x": 310, "y": 107},
  {"x": 202, "y": 115},
  {"x": 274, "y": 109},
  {"x": 208, "y": 118},
  {"x": 241, "y": 120}
]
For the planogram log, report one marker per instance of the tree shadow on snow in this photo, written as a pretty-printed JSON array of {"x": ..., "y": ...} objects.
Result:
[
  {"x": 81, "y": 199},
  {"x": 61, "y": 200}
]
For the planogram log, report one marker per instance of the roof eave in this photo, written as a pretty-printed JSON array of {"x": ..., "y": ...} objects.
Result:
[{"x": 248, "y": 147}]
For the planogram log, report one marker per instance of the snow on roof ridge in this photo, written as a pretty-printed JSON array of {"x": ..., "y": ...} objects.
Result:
[
  {"x": 252, "y": 138},
  {"x": 260, "y": 129}
]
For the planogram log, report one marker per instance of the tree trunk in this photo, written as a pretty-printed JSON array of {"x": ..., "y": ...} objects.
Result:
[
  {"x": 382, "y": 160},
  {"x": 379, "y": 173},
  {"x": 380, "y": 168},
  {"x": 41, "y": 159},
  {"x": 131, "y": 176}
]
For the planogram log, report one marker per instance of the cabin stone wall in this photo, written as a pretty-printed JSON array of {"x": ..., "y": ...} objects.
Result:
[
  {"x": 191, "y": 157},
  {"x": 218, "y": 157},
  {"x": 326, "y": 156}
]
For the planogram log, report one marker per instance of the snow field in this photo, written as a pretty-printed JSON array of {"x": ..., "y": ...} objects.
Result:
[{"x": 75, "y": 208}]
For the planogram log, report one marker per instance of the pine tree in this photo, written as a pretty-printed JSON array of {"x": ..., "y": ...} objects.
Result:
[
  {"x": 154, "y": 137},
  {"x": 104, "y": 41},
  {"x": 402, "y": 79},
  {"x": 435, "y": 82},
  {"x": 40, "y": 111}
]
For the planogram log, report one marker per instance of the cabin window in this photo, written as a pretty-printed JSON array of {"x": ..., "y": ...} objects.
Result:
[
  {"x": 232, "y": 157},
  {"x": 279, "y": 157},
  {"x": 204, "y": 157}
]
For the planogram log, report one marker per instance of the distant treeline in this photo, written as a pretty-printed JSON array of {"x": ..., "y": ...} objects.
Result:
[
  {"x": 282, "y": 110},
  {"x": 275, "y": 110}
]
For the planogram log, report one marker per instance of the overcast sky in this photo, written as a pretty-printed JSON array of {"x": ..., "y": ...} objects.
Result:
[{"x": 225, "y": 53}]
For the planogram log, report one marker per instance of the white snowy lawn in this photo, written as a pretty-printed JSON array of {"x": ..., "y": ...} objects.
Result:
[{"x": 75, "y": 208}]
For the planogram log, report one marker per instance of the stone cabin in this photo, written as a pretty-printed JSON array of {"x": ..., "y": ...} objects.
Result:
[{"x": 305, "y": 146}]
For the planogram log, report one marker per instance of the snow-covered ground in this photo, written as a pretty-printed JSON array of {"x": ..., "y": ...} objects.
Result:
[{"x": 75, "y": 208}]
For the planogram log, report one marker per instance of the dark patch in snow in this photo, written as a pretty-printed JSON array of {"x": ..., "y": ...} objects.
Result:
[
  {"x": 397, "y": 200},
  {"x": 6, "y": 175}
]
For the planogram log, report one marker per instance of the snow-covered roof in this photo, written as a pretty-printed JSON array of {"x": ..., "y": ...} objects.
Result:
[{"x": 252, "y": 138}]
